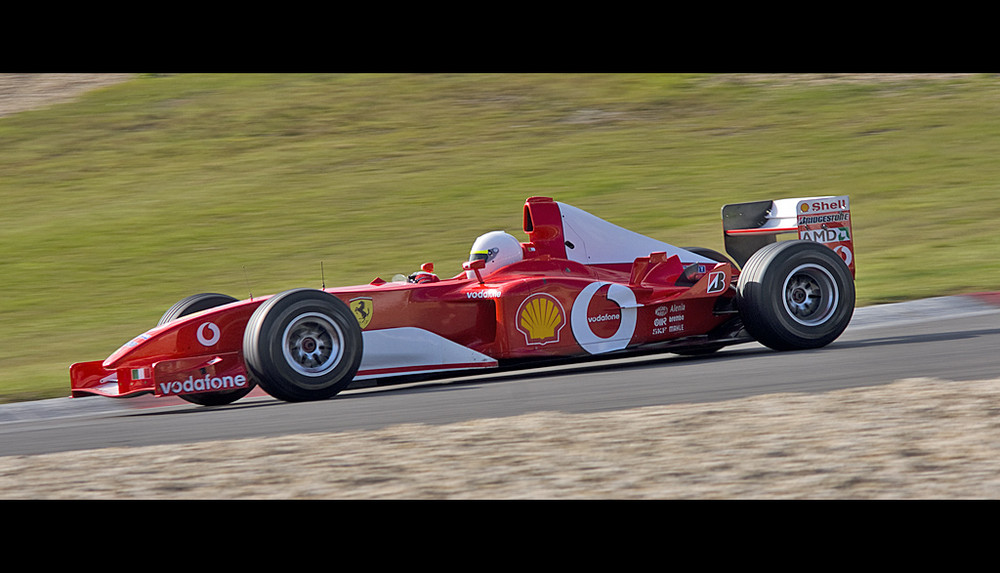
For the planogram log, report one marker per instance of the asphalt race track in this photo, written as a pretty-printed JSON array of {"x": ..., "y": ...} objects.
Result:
[{"x": 954, "y": 338}]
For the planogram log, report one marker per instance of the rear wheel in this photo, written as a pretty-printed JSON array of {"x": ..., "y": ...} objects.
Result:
[
  {"x": 190, "y": 305},
  {"x": 795, "y": 295},
  {"x": 303, "y": 345}
]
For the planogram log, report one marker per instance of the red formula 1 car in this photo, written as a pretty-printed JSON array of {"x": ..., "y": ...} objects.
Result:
[{"x": 579, "y": 287}]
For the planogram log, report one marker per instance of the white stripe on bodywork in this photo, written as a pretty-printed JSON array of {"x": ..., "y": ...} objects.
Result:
[{"x": 410, "y": 350}]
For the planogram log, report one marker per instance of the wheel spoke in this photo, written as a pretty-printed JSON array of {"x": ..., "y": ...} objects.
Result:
[
  {"x": 810, "y": 295},
  {"x": 312, "y": 344}
]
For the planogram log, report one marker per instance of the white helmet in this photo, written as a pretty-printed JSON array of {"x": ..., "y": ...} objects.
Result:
[{"x": 498, "y": 249}]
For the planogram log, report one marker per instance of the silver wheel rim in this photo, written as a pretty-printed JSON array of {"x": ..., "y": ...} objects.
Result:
[
  {"x": 810, "y": 295},
  {"x": 312, "y": 344}
]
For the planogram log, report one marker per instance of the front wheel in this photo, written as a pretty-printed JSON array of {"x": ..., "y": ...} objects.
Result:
[
  {"x": 795, "y": 295},
  {"x": 302, "y": 345}
]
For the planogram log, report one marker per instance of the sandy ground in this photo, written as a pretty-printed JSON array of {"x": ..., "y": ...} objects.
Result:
[
  {"x": 913, "y": 439},
  {"x": 22, "y": 92}
]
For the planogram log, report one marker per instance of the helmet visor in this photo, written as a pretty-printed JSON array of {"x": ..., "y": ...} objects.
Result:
[{"x": 483, "y": 255}]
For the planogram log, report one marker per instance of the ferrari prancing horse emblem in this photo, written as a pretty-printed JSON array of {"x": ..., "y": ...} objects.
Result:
[{"x": 363, "y": 309}]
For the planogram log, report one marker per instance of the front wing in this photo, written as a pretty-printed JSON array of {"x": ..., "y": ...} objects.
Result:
[{"x": 387, "y": 352}]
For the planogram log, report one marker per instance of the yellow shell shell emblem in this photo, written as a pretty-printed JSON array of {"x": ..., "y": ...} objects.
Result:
[{"x": 540, "y": 318}]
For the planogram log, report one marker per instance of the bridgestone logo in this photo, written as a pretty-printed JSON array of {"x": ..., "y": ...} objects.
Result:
[
  {"x": 205, "y": 384},
  {"x": 839, "y": 217},
  {"x": 604, "y": 317}
]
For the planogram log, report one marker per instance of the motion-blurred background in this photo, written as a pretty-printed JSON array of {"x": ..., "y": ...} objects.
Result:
[{"x": 121, "y": 201}]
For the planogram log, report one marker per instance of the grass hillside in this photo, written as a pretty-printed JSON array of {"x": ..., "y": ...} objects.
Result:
[{"x": 118, "y": 204}]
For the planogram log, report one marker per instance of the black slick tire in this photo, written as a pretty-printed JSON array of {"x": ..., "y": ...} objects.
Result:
[
  {"x": 303, "y": 345},
  {"x": 194, "y": 303},
  {"x": 795, "y": 295}
]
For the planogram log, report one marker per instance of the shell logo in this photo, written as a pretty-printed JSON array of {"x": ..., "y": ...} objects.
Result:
[{"x": 540, "y": 318}]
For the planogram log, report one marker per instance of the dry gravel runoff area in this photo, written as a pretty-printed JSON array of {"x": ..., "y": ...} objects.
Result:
[{"x": 912, "y": 439}]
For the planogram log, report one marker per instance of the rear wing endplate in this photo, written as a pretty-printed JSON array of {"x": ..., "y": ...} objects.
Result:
[{"x": 748, "y": 227}]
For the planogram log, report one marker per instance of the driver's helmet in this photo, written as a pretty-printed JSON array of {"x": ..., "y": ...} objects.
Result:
[{"x": 498, "y": 249}]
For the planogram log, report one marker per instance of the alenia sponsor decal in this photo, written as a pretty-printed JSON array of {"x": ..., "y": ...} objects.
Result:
[
  {"x": 204, "y": 384},
  {"x": 669, "y": 322},
  {"x": 540, "y": 318}
]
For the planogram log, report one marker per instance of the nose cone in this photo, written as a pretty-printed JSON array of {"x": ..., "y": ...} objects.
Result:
[{"x": 140, "y": 345}]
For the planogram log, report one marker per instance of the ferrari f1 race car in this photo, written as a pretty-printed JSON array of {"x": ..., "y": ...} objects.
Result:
[{"x": 579, "y": 287}]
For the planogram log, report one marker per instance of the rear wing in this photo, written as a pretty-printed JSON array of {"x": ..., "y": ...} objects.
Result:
[{"x": 750, "y": 226}]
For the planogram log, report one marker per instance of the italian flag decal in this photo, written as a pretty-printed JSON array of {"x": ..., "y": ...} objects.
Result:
[{"x": 140, "y": 374}]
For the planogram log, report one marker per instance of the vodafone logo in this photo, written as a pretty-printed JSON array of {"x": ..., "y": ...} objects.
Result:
[
  {"x": 604, "y": 322},
  {"x": 208, "y": 334},
  {"x": 603, "y": 317},
  {"x": 205, "y": 384},
  {"x": 844, "y": 253}
]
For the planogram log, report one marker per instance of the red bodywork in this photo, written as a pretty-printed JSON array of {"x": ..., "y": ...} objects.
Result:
[{"x": 554, "y": 303}]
